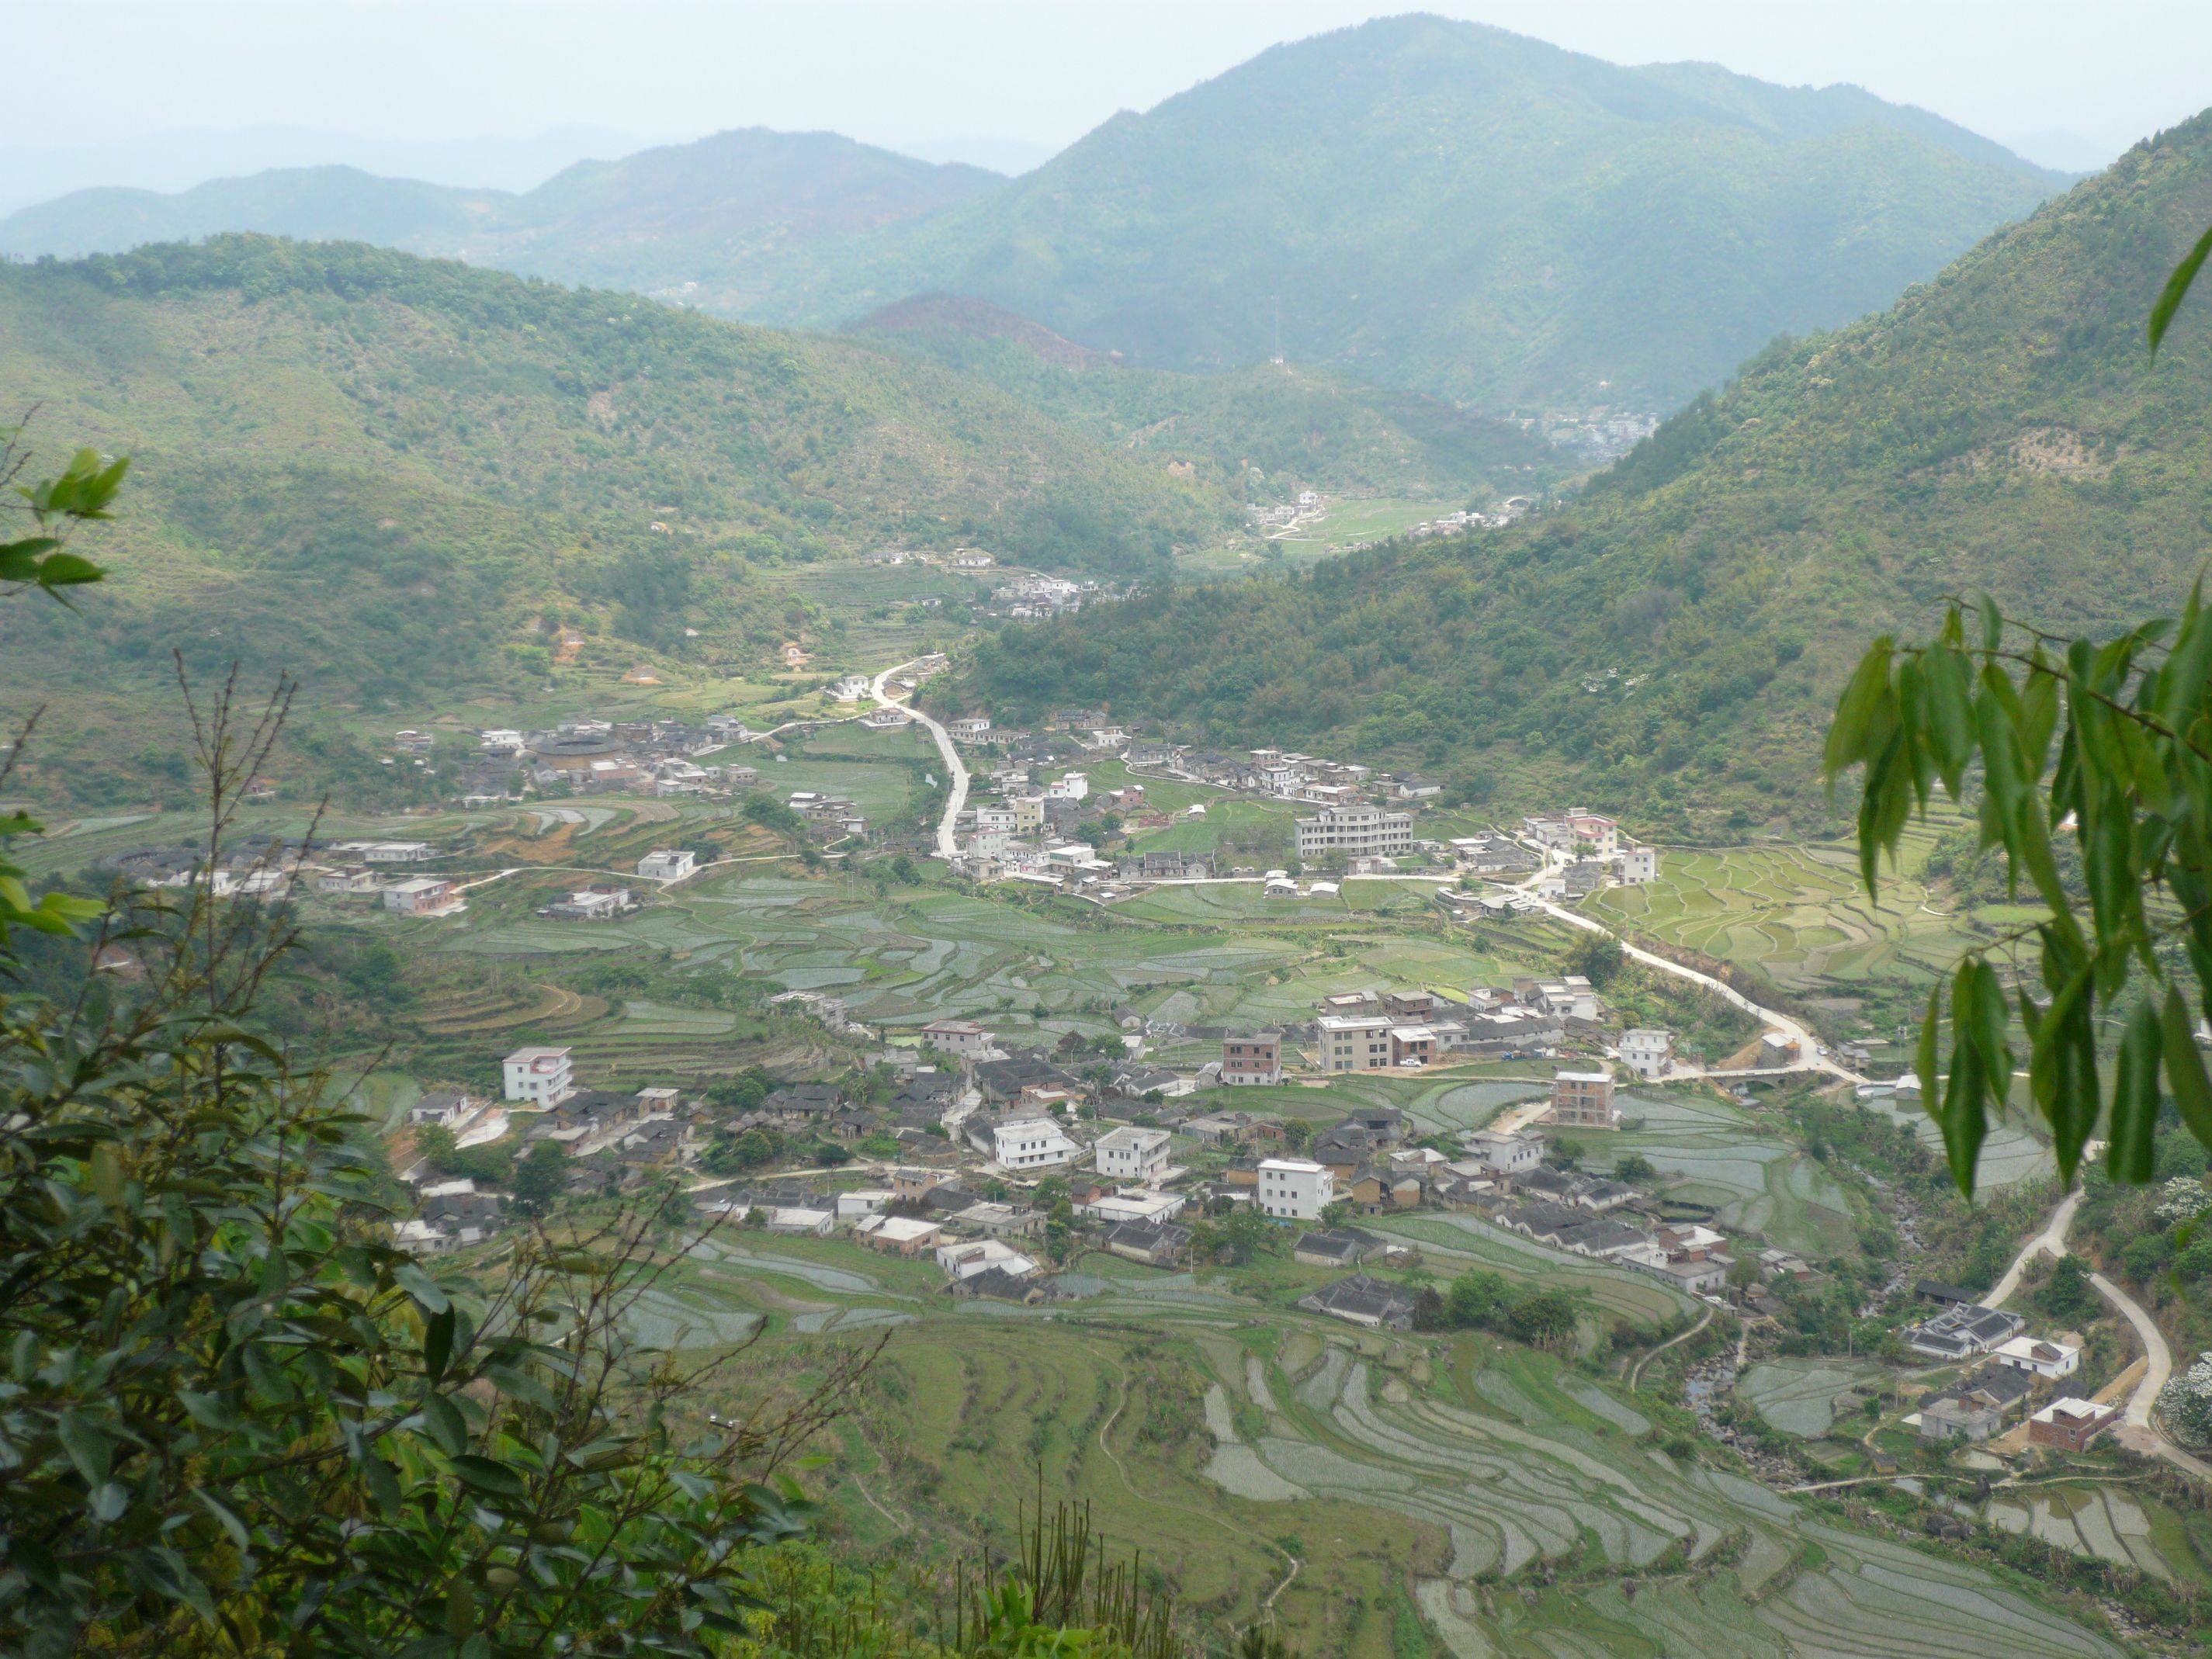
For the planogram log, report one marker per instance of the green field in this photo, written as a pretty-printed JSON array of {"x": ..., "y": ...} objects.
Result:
[{"x": 1243, "y": 1446}]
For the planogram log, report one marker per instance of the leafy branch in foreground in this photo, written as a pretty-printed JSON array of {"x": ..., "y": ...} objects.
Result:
[
  {"x": 81, "y": 493},
  {"x": 2130, "y": 781}
]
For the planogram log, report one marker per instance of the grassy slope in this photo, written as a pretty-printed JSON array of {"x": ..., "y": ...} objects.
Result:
[
  {"x": 1999, "y": 427},
  {"x": 382, "y": 473}
]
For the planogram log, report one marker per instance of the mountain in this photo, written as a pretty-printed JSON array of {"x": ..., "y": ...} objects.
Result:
[
  {"x": 1672, "y": 638},
  {"x": 736, "y": 202},
  {"x": 1457, "y": 210},
  {"x": 1262, "y": 432},
  {"x": 1435, "y": 206},
  {"x": 390, "y": 475}
]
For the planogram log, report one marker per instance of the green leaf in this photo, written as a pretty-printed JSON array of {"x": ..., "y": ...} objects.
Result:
[
  {"x": 487, "y": 1475},
  {"x": 438, "y": 1342},
  {"x": 423, "y": 1288},
  {"x": 2184, "y": 1066},
  {"x": 2176, "y": 286},
  {"x": 2128, "y": 1152}
]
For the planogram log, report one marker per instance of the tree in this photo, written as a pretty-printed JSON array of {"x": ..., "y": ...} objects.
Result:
[
  {"x": 1598, "y": 958},
  {"x": 2067, "y": 1294},
  {"x": 1476, "y": 1299},
  {"x": 541, "y": 1177},
  {"x": 1566, "y": 1152},
  {"x": 1634, "y": 1167},
  {"x": 2110, "y": 742},
  {"x": 1542, "y": 1319}
]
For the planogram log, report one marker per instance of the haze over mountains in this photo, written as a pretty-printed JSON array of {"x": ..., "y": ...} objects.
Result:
[
  {"x": 1435, "y": 206},
  {"x": 1674, "y": 635}
]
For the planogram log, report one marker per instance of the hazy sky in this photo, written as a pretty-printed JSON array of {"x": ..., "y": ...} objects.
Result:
[{"x": 2072, "y": 82}]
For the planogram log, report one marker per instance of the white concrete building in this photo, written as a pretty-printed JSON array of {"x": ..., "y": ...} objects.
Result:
[
  {"x": 970, "y": 1257},
  {"x": 1505, "y": 1154},
  {"x": 1356, "y": 832},
  {"x": 1030, "y": 1143},
  {"x": 1133, "y": 1154},
  {"x": 423, "y": 895},
  {"x": 963, "y": 1038},
  {"x": 539, "y": 1077},
  {"x": 668, "y": 863},
  {"x": 1354, "y": 1043},
  {"x": 1293, "y": 1189},
  {"x": 2039, "y": 1356},
  {"x": 1635, "y": 866},
  {"x": 1648, "y": 1052}
]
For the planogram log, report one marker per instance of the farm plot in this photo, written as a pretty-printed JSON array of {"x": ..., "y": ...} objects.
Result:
[
  {"x": 1796, "y": 912},
  {"x": 1799, "y": 1396},
  {"x": 1708, "y": 1153},
  {"x": 2091, "y": 1519},
  {"x": 1461, "y": 1242}
]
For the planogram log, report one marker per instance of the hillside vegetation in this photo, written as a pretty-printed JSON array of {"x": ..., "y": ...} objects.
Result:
[
  {"x": 386, "y": 474},
  {"x": 1260, "y": 431},
  {"x": 734, "y": 201},
  {"x": 1437, "y": 206},
  {"x": 1673, "y": 637}
]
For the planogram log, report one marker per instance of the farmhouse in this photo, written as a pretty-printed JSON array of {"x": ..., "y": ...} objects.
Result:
[
  {"x": 1339, "y": 1247},
  {"x": 963, "y": 1037},
  {"x": 1023, "y": 1143},
  {"x": 425, "y": 896},
  {"x": 1961, "y": 1331},
  {"x": 1354, "y": 832},
  {"x": 667, "y": 865},
  {"x": 2047, "y": 1360},
  {"x": 2069, "y": 1425},
  {"x": 1364, "y": 1300},
  {"x": 1649, "y": 1052},
  {"x": 1160, "y": 1244},
  {"x": 1131, "y": 1154}
]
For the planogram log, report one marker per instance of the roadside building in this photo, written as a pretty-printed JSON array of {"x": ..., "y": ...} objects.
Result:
[
  {"x": 538, "y": 1077},
  {"x": 1354, "y": 1043},
  {"x": 1357, "y": 831},
  {"x": 2069, "y": 1425}
]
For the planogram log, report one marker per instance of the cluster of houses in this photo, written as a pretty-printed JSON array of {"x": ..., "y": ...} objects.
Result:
[
  {"x": 2016, "y": 1369},
  {"x": 587, "y": 755}
]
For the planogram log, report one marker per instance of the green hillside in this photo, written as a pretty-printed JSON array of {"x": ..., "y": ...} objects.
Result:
[
  {"x": 1452, "y": 207},
  {"x": 392, "y": 475},
  {"x": 749, "y": 200},
  {"x": 1437, "y": 206},
  {"x": 1672, "y": 638},
  {"x": 1265, "y": 430}
]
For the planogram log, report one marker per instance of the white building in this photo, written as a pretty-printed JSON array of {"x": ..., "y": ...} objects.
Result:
[
  {"x": 539, "y": 1077},
  {"x": 963, "y": 1038},
  {"x": 862, "y": 1201},
  {"x": 1295, "y": 1190},
  {"x": 1505, "y": 1154},
  {"x": 1028, "y": 1143},
  {"x": 2038, "y": 1355},
  {"x": 974, "y": 728},
  {"x": 664, "y": 864},
  {"x": 500, "y": 741},
  {"x": 1356, "y": 832},
  {"x": 1634, "y": 866},
  {"x": 795, "y": 1220},
  {"x": 423, "y": 896},
  {"x": 1133, "y": 1154},
  {"x": 966, "y": 1258},
  {"x": 850, "y": 689},
  {"x": 1649, "y": 1052},
  {"x": 1354, "y": 1043},
  {"x": 398, "y": 851},
  {"x": 1072, "y": 785}
]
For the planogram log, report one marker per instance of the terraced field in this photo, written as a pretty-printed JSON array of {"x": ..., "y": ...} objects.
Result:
[
  {"x": 1755, "y": 1177},
  {"x": 2108, "y": 1523},
  {"x": 1796, "y": 912},
  {"x": 1525, "y": 1506},
  {"x": 1799, "y": 1396}
]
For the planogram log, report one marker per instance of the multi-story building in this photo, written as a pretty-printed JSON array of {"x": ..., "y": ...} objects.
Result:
[
  {"x": 1356, "y": 832},
  {"x": 2069, "y": 1425},
  {"x": 1584, "y": 1100},
  {"x": 1413, "y": 1045},
  {"x": 1256, "y": 1058},
  {"x": 1505, "y": 1154},
  {"x": 1026, "y": 1143},
  {"x": 963, "y": 1038},
  {"x": 1291, "y": 1190},
  {"x": 539, "y": 1077},
  {"x": 423, "y": 896},
  {"x": 1133, "y": 1154},
  {"x": 1648, "y": 1052},
  {"x": 1352, "y": 1042},
  {"x": 668, "y": 863}
]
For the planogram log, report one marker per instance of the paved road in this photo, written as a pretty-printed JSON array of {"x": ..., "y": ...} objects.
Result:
[
  {"x": 2136, "y": 1430},
  {"x": 947, "y": 849},
  {"x": 1810, "y": 1059},
  {"x": 2052, "y": 1241}
]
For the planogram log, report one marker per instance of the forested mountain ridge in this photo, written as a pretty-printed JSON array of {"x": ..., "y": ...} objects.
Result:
[
  {"x": 1260, "y": 431},
  {"x": 1437, "y": 206},
  {"x": 389, "y": 475},
  {"x": 743, "y": 200},
  {"x": 1674, "y": 636},
  {"x": 1454, "y": 209}
]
